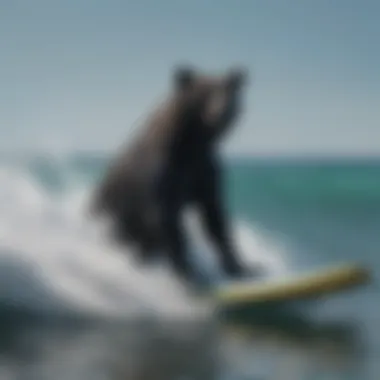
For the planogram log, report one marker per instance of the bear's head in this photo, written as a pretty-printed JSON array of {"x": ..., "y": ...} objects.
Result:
[{"x": 215, "y": 99}]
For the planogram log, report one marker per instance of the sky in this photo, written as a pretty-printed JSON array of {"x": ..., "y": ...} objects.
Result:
[{"x": 78, "y": 74}]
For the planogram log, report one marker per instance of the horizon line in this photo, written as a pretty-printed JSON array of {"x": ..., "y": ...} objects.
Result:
[{"x": 278, "y": 156}]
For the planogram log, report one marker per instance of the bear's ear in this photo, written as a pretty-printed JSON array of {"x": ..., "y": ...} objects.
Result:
[
  {"x": 238, "y": 77},
  {"x": 183, "y": 77}
]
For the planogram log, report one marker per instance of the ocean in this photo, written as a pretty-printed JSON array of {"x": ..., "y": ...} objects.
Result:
[{"x": 75, "y": 306}]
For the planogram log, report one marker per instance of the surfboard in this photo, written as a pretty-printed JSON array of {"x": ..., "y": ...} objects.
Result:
[{"x": 302, "y": 287}]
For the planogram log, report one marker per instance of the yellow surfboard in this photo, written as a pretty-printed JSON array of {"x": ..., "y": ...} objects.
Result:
[{"x": 309, "y": 286}]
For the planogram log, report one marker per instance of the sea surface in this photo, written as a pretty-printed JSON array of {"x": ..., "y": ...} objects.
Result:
[{"x": 75, "y": 306}]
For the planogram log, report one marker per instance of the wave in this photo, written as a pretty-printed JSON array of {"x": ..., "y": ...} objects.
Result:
[{"x": 53, "y": 259}]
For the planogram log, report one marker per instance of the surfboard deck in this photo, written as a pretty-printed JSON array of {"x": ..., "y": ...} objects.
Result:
[{"x": 300, "y": 287}]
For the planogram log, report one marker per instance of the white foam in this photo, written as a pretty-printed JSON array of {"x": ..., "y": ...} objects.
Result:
[{"x": 51, "y": 256}]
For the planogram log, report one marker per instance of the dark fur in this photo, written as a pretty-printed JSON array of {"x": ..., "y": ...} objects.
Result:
[{"x": 172, "y": 164}]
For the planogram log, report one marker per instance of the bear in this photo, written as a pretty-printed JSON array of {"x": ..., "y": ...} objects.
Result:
[{"x": 174, "y": 163}]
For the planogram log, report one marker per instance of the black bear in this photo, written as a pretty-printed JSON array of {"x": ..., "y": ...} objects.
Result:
[{"x": 174, "y": 163}]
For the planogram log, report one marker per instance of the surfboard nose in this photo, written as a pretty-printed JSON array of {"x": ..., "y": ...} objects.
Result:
[{"x": 308, "y": 286}]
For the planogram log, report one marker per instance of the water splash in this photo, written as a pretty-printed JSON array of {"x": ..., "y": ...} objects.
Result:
[{"x": 52, "y": 257}]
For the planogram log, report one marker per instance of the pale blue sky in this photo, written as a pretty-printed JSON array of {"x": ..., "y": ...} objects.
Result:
[{"x": 77, "y": 73}]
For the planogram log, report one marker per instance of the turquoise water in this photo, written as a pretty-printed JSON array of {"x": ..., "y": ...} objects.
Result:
[
  {"x": 331, "y": 211},
  {"x": 312, "y": 213}
]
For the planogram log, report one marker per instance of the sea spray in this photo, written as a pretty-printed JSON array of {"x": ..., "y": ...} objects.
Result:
[{"x": 54, "y": 256}]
